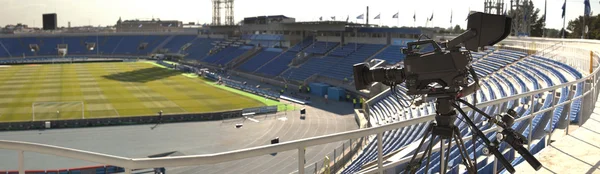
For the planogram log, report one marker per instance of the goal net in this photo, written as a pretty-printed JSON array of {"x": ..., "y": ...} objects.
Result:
[{"x": 57, "y": 110}]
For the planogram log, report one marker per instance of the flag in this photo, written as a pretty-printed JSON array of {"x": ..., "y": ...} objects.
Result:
[
  {"x": 415, "y": 17},
  {"x": 347, "y": 18},
  {"x": 333, "y": 18},
  {"x": 321, "y": 18},
  {"x": 587, "y": 8},
  {"x": 431, "y": 17},
  {"x": 362, "y": 16},
  {"x": 564, "y": 7},
  {"x": 450, "y": 15},
  {"x": 377, "y": 17},
  {"x": 395, "y": 15}
]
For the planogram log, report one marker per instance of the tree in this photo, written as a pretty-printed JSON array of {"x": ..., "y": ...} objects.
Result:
[
  {"x": 537, "y": 29},
  {"x": 552, "y": 33},
  {"x": 457, "y": 29},
  {"x": 576, "y": 27}
]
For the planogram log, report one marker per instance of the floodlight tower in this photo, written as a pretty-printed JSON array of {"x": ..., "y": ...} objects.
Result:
[
  {"x": 216, "y": 18},
  {"x": 228, "y": 5},
  {"x": 493, "y": 7},
  {"x": 520, "y": 11}
]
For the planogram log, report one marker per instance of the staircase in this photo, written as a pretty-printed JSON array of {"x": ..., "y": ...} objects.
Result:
[
  {"x": 113, "y": 51},
  {"x": 163, "y": 44},
  {"x": 274, "y": 58},
  {"x": 243, "y": 58},
  {"x": 3, "y": 47},
  {"x": 377, "y": 53}
]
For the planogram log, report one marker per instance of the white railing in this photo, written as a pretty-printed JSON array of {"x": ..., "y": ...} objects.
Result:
[{"x": 589, "y": 96}]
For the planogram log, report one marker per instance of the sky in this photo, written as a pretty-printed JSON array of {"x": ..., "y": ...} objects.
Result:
[{"x": 107, "y": 12}]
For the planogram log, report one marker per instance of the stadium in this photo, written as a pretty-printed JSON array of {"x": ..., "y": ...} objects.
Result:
[{"x": 275, "y": 95}]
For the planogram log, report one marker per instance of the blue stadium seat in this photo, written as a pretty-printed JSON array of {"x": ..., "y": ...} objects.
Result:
[{"x": 259, "y": 59}]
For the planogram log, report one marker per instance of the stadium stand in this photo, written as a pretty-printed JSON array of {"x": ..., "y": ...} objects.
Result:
[
  {"x": 391, "y": 108},
  {"x": 226, "y": 55},
  {"x": 277, "y": 65},
  {"x": 302, "y": 45},
  {"x": 321, "y": 47},
  {"x": 128, "y": 45},
  {"x": 343, "y": 68},
  {"x": 175, "y": 44},
  {"x": 200, "y": 48},
  {"x": 260, "y": 59},
  {"x": 391, "y": 54},
  {"x": 334, "y": 67}
]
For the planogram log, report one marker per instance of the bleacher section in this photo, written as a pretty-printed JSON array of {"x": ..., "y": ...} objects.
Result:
[
  {"x": 226, "y": 55},
  {"x": 301, "y": 45},
  {"x": 392, "y": 54},
  {"x": 127, "y": 45},
  {"x": 260, "y": 59},
  {"x": 343, "y": 69},
  {"x": 277, "y": 65},
  {"x": 200, "y": 48},
  {"x": 175, "y": 44},
  {"x": 330, "y": 66},
  {"x": 537, "y": 69},
  {"x": 321, "y": 47}
]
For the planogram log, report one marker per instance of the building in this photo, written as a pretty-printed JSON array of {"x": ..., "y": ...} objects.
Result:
[{"x": 154, "y": 25}]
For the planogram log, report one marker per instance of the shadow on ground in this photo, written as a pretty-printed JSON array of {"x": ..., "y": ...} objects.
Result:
[{"x": 143, "y": 75}]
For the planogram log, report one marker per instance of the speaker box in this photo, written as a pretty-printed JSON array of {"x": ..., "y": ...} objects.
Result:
[{"x": 49, "y": 21}]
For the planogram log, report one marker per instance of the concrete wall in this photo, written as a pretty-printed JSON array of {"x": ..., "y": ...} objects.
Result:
[
  {"x": 366, "y": 40},
  {"x": 329, "y": 39}
]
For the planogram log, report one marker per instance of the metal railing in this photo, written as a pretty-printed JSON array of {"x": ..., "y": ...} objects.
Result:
[{"x": 589, "y": 96}]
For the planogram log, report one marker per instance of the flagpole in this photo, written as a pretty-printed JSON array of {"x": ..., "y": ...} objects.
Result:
[
  {"x": 545, "y": 19},
  {"x": 398, "y": 19},
  {"x": 564, "y": 19}
]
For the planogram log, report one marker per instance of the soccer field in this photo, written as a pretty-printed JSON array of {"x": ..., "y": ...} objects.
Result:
[{"x": 57, "y": 91}]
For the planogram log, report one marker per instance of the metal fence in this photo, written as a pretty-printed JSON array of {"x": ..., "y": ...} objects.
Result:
[{"x": 589, "y": 98}]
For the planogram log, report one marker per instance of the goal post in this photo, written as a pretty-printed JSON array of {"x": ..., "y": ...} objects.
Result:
[{"x": 57, "y": 110}]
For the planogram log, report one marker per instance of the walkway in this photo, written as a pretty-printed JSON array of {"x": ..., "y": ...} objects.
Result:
[{"x": 578, "y": 152}]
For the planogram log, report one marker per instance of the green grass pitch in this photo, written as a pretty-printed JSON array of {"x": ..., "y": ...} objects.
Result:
[{"x": 110, "y": 90}]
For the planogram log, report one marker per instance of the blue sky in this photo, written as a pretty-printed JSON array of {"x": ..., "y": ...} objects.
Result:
[{"x": 106, "y": 12}]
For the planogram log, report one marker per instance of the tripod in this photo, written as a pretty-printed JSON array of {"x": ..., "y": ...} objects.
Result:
[{"x": 444, "y": 128}]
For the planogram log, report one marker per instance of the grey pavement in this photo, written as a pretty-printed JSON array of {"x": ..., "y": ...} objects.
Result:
[
  {"x": 190, "y": 139},
  {"x": 578, "y": 152}
]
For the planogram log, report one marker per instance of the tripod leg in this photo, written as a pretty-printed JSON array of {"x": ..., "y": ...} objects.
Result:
[
  {"x": 443, "y": 171},
  {"x": 410, "y": 167},
  {"x": 429, "y": 147},
  {"x": 464, "y": 153}
]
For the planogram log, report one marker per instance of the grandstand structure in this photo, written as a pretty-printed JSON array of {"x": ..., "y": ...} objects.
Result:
[{"x": 550, "y": 83}]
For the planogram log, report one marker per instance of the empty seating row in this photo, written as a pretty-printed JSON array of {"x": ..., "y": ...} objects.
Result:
[
  {"x": 321, "y": 47},
  {"x": 259, "y": 59}
]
